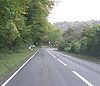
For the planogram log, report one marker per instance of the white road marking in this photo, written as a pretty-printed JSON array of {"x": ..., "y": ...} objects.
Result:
[
  {"x": 57, "y": 59},
  {"x": 77, "y": 74},
  {"x": 50, "y": 53},
  {"x": 4, "y": 84},
  {"x": 54, "y": 56},
  {"x": 62, "y": 62},
  {"x": 82, "y": 78}
]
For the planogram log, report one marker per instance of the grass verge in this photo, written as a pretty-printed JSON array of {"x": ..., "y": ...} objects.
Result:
[
  {"x": 9, "y": 63},
  {"x": 83, "y": 57}
]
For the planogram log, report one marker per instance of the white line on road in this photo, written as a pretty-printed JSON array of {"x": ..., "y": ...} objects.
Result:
[
  {"x": 77, "y": 74},
  {"x": 57, "y": 59},
  {"x": 62, "y": 62},
  {"x": 54, "y": 56},
  {"x": 4, "y": 84},
  {"x": 82, "y": 78}
]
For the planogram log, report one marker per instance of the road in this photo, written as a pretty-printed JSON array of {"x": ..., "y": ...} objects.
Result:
[{"x": 51, "y": 68}]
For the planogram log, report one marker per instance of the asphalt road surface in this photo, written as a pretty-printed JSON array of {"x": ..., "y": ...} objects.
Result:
[{"x": 51, "y": 68}]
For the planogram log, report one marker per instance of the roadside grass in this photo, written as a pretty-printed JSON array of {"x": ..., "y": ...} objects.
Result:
[
  {"x": 10, "y": 62},
  {"x": 83, "y": 57}
]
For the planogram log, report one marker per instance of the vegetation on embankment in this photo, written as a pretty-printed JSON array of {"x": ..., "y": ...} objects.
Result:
[
  {"x": 84, "y": 42},
  {"x": 23, "y": 22},
  {"x": 12, "y": 61}
]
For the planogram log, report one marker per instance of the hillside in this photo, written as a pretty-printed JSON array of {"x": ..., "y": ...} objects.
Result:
[{"x": 76, "y": 25}]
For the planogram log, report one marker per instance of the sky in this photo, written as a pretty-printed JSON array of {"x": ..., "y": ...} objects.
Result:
[{"x": 75, "y": 10}]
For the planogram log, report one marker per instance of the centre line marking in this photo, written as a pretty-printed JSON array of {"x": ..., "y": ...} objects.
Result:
[
  {"x": 62, "y": 62},
  {"x": 57, "y": 59},
  {"x": 77, "y": 74},
  {"x": 82, "y": 78}
]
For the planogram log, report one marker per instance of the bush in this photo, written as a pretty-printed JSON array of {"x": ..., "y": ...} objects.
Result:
[
  {"x": 61, "y": 45},
  {"x": 75, "y": 48}
]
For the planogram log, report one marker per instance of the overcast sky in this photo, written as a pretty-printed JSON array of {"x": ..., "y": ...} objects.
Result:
[{"x": 75, "y": 10}]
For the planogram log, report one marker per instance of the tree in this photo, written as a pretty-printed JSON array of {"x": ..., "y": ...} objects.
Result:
[{"x": 22, "y": 21}]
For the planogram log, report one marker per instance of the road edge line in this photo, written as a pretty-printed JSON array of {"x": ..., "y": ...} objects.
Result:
[{"x": 11, "y": 77}]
